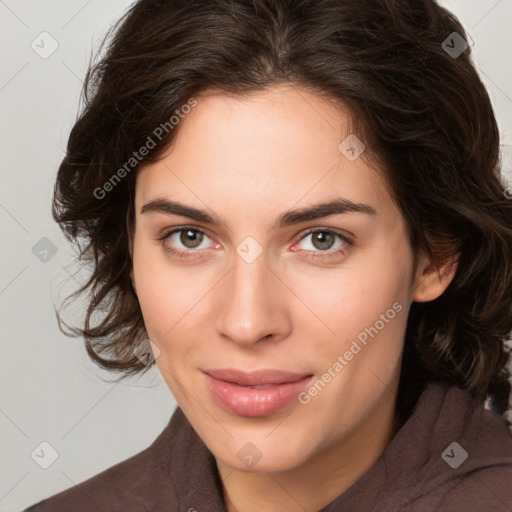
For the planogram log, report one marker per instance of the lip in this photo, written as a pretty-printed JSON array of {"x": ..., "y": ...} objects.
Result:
[{"x": 281, "y": 388}]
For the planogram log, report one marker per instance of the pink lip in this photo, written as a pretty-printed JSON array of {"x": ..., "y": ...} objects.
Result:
[{"x": 227, "y": 387}]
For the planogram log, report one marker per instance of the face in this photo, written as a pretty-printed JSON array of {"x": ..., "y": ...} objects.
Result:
[{"x": 247, "y": 286}]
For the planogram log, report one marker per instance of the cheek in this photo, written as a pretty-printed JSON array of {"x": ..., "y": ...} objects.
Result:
[
  {"x": 344, "y": 302},
  {"x": 163, "y": 291},
  {"x": 166, "y": 301}
]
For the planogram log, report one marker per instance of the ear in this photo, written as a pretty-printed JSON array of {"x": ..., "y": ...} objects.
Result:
[{"x": 431, "y": 280}]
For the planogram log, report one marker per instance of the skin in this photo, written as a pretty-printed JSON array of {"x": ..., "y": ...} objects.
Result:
[{"x": 248, "y": 160}]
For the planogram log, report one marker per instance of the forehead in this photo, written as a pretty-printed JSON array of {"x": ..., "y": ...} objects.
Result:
[{"x": 264, "y": 152}]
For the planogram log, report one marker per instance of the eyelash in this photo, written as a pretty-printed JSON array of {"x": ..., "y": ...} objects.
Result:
[{"x": 188, "y": 255}]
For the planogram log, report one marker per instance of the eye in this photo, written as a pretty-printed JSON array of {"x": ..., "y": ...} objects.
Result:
[
  {"x": 188, "y": 237},
  {"x": 323, "y": 241}
]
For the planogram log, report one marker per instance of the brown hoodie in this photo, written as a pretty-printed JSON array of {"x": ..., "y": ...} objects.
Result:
[{"x": 451, "y": 455}]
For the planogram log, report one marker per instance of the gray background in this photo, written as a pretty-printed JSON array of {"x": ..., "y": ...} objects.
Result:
[{"x": 49, "y": 390}]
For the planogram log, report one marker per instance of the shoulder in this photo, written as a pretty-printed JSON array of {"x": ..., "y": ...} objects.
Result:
[
  {"x": 122, "y": 487},
  {"x": 130, "y": 485},
  {"x": 452, "y": 455},
  {"x": 481, "y": 440},
  {"x": 488, "y": 489},
  {"x": 475, "y": 446}
]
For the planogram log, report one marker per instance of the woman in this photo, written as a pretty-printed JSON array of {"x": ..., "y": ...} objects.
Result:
[{"x": 295, "y": 208}]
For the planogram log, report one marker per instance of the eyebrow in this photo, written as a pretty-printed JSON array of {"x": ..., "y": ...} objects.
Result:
[{"x": 291, "y": 217}]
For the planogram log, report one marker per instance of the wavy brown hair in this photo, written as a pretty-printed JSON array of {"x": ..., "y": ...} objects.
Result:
[{"x": 424, "y": 115}]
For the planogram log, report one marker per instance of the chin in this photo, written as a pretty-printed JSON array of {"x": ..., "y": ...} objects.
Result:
[{"x": 250, "y": 459}]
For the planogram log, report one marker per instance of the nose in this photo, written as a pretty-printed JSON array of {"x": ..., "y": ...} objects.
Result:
[{"x": 251, "y": 303}]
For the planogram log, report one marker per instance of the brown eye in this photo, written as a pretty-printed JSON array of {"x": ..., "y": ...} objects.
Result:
[
  {"x": 323, "y": 240},
  {"x": 185, "y": 242}
]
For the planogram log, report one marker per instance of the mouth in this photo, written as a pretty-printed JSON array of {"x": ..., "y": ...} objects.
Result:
[
  {"x": 259, "y": 393},
  {"x": 258, "y": 378}
]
